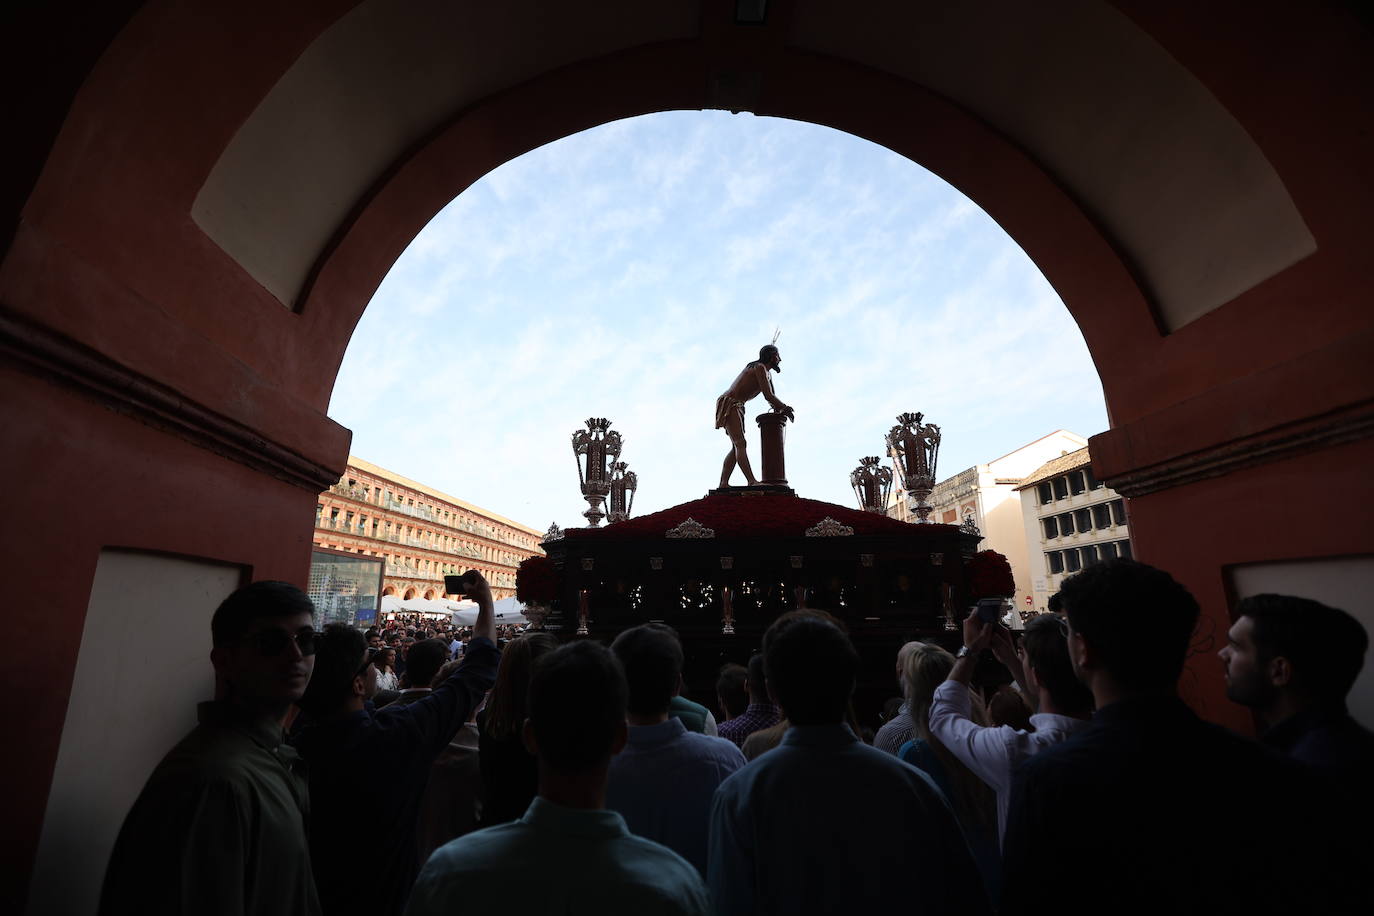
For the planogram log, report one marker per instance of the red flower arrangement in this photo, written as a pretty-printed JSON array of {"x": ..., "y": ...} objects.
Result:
[
  {"x": 989, "y": 576},
  {"x": 536, "y": 581}
]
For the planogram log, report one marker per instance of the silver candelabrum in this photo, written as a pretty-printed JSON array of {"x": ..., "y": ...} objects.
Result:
[
  {"x": 595, "y": 449},
  {"x": 872, "y": 484},
  {"x": 915, "y": 448},
  {"x": 624, "y": 484}
]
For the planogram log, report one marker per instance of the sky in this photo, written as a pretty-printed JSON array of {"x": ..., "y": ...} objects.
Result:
[{"x": 632, "y": 270}]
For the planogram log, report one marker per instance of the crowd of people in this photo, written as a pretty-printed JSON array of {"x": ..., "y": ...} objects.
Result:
[{"x": 427, "y": 771}]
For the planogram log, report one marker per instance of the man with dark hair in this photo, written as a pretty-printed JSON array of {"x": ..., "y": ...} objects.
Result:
[
  {"x": 761, "y": 712},
  {"x": 423, "y": 662},
  {"x": 1153, "y": 806},
  {"x": 587, "y": 860},
  {"x": 662, "y": 782},
  {"x": 220, "y": 826},
  {"x": 1293, "y": 661},
  {"x": 824, "y": 823},
  {"x": 378, "y": 760},
  {"x": 1042, "y": 669},
  {"x": 731, "y": 696}
]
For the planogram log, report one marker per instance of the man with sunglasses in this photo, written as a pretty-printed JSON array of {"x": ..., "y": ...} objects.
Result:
[{"x": 220, "y": 826}]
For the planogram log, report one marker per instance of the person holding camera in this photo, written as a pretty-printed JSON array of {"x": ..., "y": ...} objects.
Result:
[
  {"x": 1041, "y": 668},
  {"x": 379, "y": 760}
]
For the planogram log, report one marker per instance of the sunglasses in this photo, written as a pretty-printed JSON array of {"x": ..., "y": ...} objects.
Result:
[{"x": 274, "y": 642}]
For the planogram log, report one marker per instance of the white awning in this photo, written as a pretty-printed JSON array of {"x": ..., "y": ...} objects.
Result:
[{"x": 507, "y": 610}]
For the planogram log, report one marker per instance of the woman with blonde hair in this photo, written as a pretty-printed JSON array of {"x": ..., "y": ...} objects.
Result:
[{"x": 974, "y": 803}]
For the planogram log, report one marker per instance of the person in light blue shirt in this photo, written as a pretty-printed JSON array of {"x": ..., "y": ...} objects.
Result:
[
  {"x": 567, "y": 854},
  {"x": 662, "y": 782},
  {"x": 824, "y": 823}
]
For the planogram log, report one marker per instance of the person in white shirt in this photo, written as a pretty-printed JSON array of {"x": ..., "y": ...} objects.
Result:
[
  {"x": 385, "y": 663},
  {"x": 1042, "y": 670}
]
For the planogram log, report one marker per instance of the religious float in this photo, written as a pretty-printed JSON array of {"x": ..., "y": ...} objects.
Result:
[{"x": 721, "y": 568}]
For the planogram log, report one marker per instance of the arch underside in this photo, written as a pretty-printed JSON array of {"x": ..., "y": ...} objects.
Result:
[
  {"x": 1173, "y": 181},
  {"x": 232, "y": 180}
]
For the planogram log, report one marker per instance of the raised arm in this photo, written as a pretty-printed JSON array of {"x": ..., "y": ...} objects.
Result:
[
  {"x": 765, "y": 381},
  {"x": 980, "y": 748},
  {"x": 475, "y": 587},
  {"x": 1005, "y": 652},
  {"x": 433, "y": 719}
]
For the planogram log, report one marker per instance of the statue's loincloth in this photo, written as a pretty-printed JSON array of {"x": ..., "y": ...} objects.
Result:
[{"x": 725, "y": 405}]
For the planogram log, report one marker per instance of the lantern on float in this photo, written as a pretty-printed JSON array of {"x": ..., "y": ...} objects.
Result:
[
  {"x": 914, "y": 448},
  {"x": 872, "y": 484},
  {"x": 595, "y": 449}
]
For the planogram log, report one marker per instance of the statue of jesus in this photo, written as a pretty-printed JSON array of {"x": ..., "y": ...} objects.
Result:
[{"x": 750, "y": 383}]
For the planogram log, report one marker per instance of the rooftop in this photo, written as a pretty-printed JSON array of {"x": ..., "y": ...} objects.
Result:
[{"x": 1061, "y": 465}]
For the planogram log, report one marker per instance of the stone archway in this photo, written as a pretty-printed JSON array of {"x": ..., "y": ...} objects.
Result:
[
  {"x": 410, "y": 593},
  {"x": 389, "y": 590},
  {"x": 152, "y": 334}
]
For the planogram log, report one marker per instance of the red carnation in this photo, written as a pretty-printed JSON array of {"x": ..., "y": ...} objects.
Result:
[
  {"x": 536, "y": 581},
  {"x": 989, "y": 576}
]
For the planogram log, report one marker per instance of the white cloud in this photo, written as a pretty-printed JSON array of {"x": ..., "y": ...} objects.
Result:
[{"x": 631, "y": 270}]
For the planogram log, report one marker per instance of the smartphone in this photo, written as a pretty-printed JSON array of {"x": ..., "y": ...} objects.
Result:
[{"x": 990, "y": 609}]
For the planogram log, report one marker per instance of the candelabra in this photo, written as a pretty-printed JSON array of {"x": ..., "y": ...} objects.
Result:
[
  {"x": 872, "y": 484},
  {"x": 593, "y": 447},
  {"x": 624, "y": 483},
  {"x": 914, "y": 448}
]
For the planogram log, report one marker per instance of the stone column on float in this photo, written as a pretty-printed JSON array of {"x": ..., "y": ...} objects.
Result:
[{"x": 772, "y": 432}]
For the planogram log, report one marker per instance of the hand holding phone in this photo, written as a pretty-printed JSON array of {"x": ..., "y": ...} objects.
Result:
[{"x": 990, "y": 609}]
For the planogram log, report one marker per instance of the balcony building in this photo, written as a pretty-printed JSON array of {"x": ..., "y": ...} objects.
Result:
[
  {"x": 421, "y": 533},
  {"x": 1072, "y": 520}
]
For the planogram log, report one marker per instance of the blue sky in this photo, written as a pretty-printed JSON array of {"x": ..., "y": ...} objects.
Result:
[{"x": 631, "y": 270}]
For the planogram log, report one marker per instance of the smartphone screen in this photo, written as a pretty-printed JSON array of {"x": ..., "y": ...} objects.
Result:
[{"x": 989, "y": 609}]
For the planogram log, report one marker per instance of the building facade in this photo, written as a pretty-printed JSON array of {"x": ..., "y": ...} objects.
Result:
[
  {"x": 986, "y": 495},
  {"x": 421, "y": 533},
  {"x": 1071, "y": 520}
]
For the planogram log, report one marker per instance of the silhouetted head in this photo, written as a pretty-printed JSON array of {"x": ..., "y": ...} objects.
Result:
[
  {"x": 758, "y": 682},
  {"x": 1280, "y": 642},
  {"x": 771, "y": 358},
  {"x": 730, "y": 690},
  {"x": 340, "y": 670},
  {"x": 811, "y": 666},
  {"x": 576, "y": 707},
  {"x": 424, "y": 659},
  {"x": 651, "y": 655},
  {"x": 1131, "y": 621},
  {"x": 1045, "y": 650}
]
